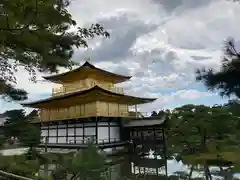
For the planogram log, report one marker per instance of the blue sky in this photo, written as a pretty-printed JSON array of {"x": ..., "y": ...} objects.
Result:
[{"x": 158, "y": 42}]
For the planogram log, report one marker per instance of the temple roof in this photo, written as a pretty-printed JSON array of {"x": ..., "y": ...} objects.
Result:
[
  {"x": 95, "y": 93},
  {"x": 144, "y": 122},
  {"x": 84, "y": 71}
]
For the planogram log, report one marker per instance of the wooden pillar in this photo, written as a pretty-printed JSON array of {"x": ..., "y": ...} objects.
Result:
[
  {"x": 83, "y": 130},
  {"x": 75, "y": 132},
  {"x": 118, "y": 110},
  {"x": 48, "y": 134},
  {"x": 41, "y": 132},
  {"x": 155, "y": 149},
  {"x": 46, "y": 150},
  {"x": 67, "y": 132},
  {"x": 109, "y": 133},
  {"x": 136, "y": 111},
  {"x": 120, "y": 128},
  {"x": 165, "y": 152},
  {"x": 57, "y": 133},
  {"x": 108, "y": 109},
  {"x": 84, "y": 110},
  {"x": 96, "y": 130}
]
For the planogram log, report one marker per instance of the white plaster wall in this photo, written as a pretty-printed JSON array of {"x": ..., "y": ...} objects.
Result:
[
  {"x": 89, "y": 131},
  {"x": 62, "y": 126},
  {"x": 52, "y": 140},
  {"x": 79, "y": 131},
  {"x": 102, "y": 134},
  {"x": 103, "y": 123},
  {"x": 61, "y": 132},
  {"x": 44, "y": 132},
  {"x": 52, "y": 132},
  {"x": 70, "y": 140},
  {"x": 70, "y": 131},
  {"x": 62, "y": 140},
  {"x": 53, "y": 126},
  {"x": 114, "y": 133},
  {"x": 79, "y": 140}
]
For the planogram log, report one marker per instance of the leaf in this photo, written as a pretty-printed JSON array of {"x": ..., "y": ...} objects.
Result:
[{"x": 36, "y": 35}]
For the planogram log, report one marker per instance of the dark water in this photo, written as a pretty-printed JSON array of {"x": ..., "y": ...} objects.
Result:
[{"x": 150, "y": 166}]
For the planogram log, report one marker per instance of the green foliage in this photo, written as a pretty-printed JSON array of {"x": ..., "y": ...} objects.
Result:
[
  {"x": 30, "y": 137},
  {"x": 205, "y": 135},
  {"x": 227, "y": 79},
  {"x": 159, "y": 114},
  {"x": 18, "y": 126},
  {"x": 197, "y": 128},
  {"x": 19, "y": 165},
  {"x": 10, "y": 93},
  {"x": 85, "y": 164},
  {"x": 2, "y": 140},
  {"x": 39, "y": 35},
  {"x": 14, "y": 115},
  {"x": 14, "y": 124}
]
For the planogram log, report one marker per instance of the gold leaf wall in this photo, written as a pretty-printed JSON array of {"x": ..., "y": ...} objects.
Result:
[{"x": 97, "y": 108}]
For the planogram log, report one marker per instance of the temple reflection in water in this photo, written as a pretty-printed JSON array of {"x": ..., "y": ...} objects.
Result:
[{"x": 132, "y": 166}]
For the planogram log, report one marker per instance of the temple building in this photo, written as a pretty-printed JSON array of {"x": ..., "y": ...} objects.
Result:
[{"x": 87, "y": 106}]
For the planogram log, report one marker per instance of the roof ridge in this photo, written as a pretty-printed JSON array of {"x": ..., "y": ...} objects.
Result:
[
  {"x": 86, "y": 64},
  {"x": 83, "y": 92}
]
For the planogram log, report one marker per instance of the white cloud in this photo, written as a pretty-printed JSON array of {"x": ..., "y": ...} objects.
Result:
[
  {"x": 192, "y": 94},
  {"x": 164, "y": 100},
  {"x": 159, "y": 42}
]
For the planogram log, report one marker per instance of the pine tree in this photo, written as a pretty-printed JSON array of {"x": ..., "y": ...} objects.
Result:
[
  {"x": 39, "y": 35},
  {"x": 226, "y": 80}
]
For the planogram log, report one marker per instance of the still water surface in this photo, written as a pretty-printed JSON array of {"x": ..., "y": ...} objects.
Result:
[
  {"x": 150, "y": 165},
  {"x": 154, "y": 167}
]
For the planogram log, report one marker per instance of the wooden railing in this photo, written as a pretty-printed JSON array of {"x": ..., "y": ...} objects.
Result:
[
  {"x": 5, "y": 175},
  {"x": 139, "y": 114},
  {"x": 129, "y": 114},
  {"x": 63, "y": 90},
  {"x": 100, "y": 141}
]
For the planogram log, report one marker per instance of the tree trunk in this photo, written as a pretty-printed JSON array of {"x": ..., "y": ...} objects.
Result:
[
  {"x": 209, "y": 173},
  {"x": 190, "y": 173}
]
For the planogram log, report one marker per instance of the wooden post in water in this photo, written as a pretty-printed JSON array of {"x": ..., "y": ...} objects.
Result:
[
  {"x": 165, "y": 152},
  {"x": 45, "y": 149}
]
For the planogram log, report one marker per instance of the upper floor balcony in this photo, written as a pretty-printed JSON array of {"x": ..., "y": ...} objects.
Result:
[{"x": 64, "y": 90}]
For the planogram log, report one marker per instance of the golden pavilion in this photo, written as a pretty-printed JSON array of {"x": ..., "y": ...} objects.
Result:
[{"x": 88, "y": 105}]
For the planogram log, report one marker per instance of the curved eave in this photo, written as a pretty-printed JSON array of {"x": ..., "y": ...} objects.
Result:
[
  {"x": 118, "y": 78},
  {"x": 95, "y": 93}
]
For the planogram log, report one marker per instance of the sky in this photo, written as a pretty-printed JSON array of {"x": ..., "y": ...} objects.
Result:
[{"x": 160, "y": 43}]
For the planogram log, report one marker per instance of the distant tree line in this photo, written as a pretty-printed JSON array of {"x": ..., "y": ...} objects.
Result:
[{"x": 19, "y": 129}]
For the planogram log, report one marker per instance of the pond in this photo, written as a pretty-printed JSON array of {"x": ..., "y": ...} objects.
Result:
[{"x": 151, "y": 166}]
